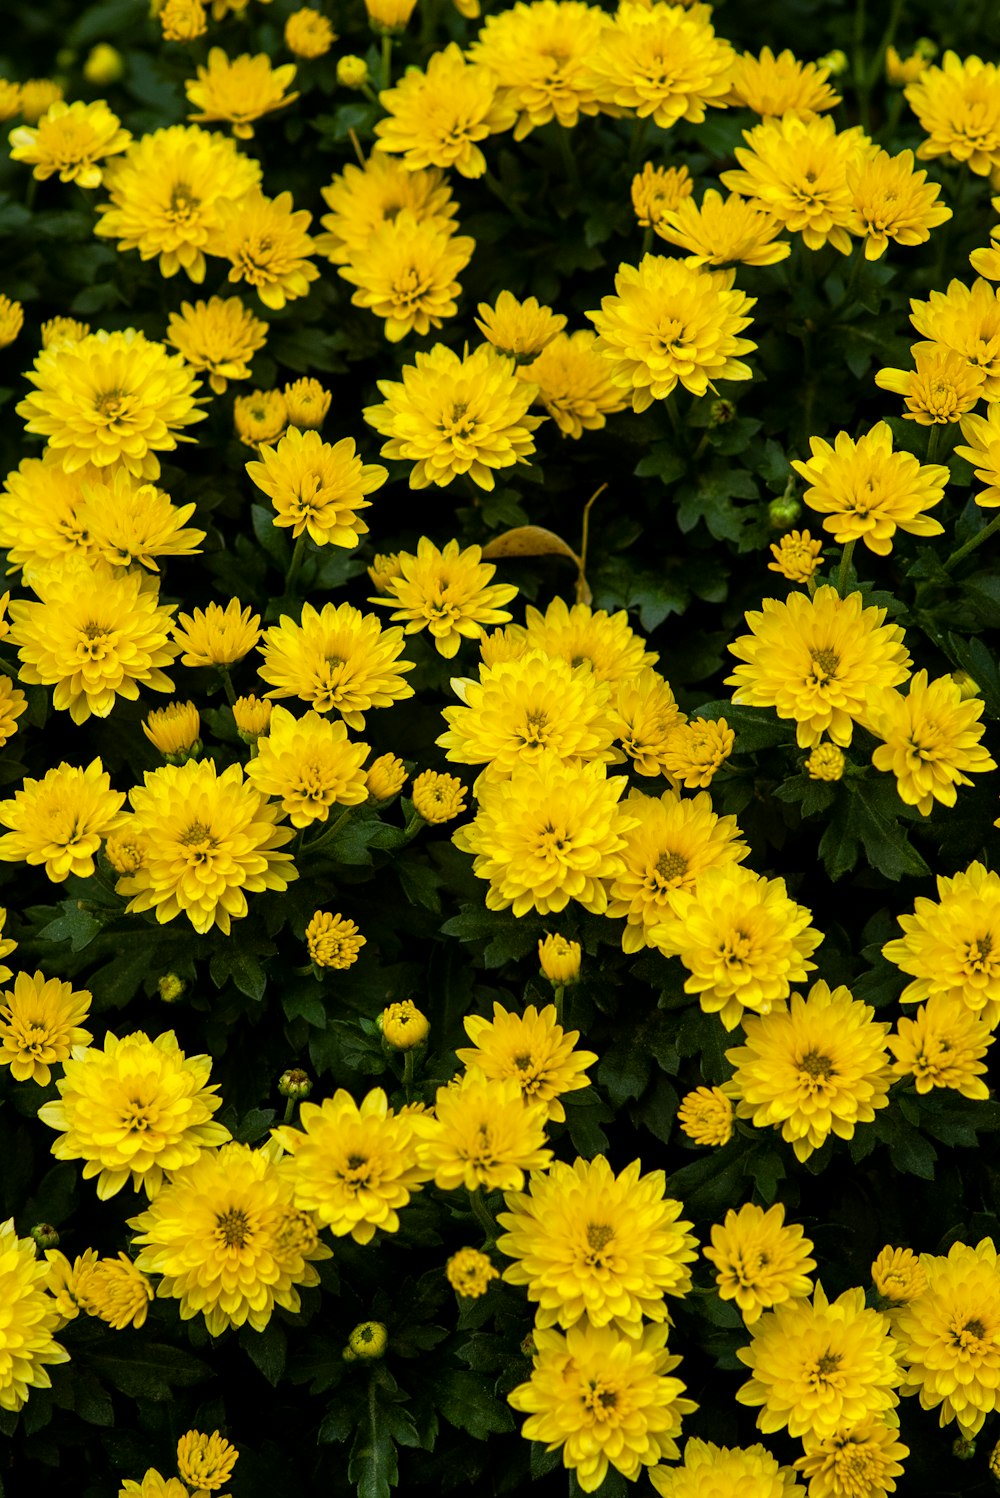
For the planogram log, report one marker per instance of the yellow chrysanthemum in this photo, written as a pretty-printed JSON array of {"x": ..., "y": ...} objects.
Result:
[
  {"x": 227, "y": 1240},
  {"x": 943, "y": 387},
  {"x": 797, "y": 557},
  {"x": 239, "y": 90},
  {"x": 722, "y": 231},
  {"x": 858, "y": 1461},
  {"x": 388, "y": 17},
  {"x": 958, "y": 106},
  {"x": 11, "y": 320},
  {"x": 116, "y": 1291},
  {"x": 657, "y": 190},
  {"x": 760, "y": 1260},
  {"x": 448, "y": 592},
  {"x": 952, "y": 945},
  {"x": 363, "y": 198},
  {"x": 574, "y": 383},
  {"x": 469, "y": 1273},
  {"x": 892, "y": 201},
  {"x": 539, "y": 54},
  {"x": 521, "y": 330},
  {"x": 307, "y": 402},
  {"x": 333, "y": 941},
  {"x": 899, "y": 71},
  {"x": 559, "y": 959},
  {"x": 153, "y": 1484},
  {"x": 438, "y": 798},
  {"x": 711, "y": 1471},
  {"x": 268, "y": 245},
  {"x": 218, "y": 337},
  {"x": 706, "y": 1116},
  {"x": 60, "y": 820},
  {"x": 385, "y": 777},
  {"x": 407, "y": 273},
  {"x": 826, "y": 762},
  {"x": 134, "y": 1109},
  {"x": 982, "y": 434},
  {"x": 317, "y": 487},
  {"x": 338, "y": 660},
  {"x": 63, "y": 330},
  {"x": 12, "y": 704},
  {"x": 943, "y": 1045},
  {"x": 695, "y": 751},
  {"x": 131, "y": 522},
  {"x": 354, "y": 1167},
  {"x": 7, "y": 945},
  {"x": 403, "y": 1026},
  {"x": 41, "y": 1020},
  {"x": 898, "y": 1274},
  {"x": 503, "y": 645},
  {"x": 10, "y": 99},
  {"x": 814, "y": 1068},
  {"x": 29, "y": 1320},
  {"x": 966, "y": 319},
  {"x": 206, "y": 1462},
  {"x": 930, "y": 738},
  {"x": 174, "y": 729},
  {"x": 65, "y": 1279},
  {"x": 534, "y": 1049},
  {"x": 71, "y": 139},
  {"x": 41, "y": 512},
  {"x": 582, "y": 635},
  {"x": 308, "y": 34},
  {"x": 252, "y": 717},
  {"x": 37, "y": 96},
  {"x": 645, "y": 714},
  {"x": 183, "y": 20},
  {"x": 308, "y": 764},
  {"x": 664, "y": 62},
  {"x": 217, "y": 636},
  {"x": 437, "y": 117},
  {"x": 483, "y": 1135},
  {"x": 780, "y": 84}
]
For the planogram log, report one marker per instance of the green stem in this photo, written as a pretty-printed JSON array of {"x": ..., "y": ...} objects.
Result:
[
  {"x": 370, "y": 94},
  {"x": 977, "y": 540},
  {"x": 845, "y": 567},
  {"x": 289, "y": 1110},
  {"x": 885, "y": 42},
  {"x": 481, "y": 1213},
  {"x": 935, "y": 438},
  {"x": 328, "y": 833},
  {"x": 636, "y": 143},
  {"x": 386, "y": 60},
  {"x": 558, "y": 998},
  {"x": 568, "y": 158},
  {"x": 294, "y": 566},
  {"x": 227, "y": 683},
  {"x": 647, "y": 240},
  {"x": 409, "y": 1070}
]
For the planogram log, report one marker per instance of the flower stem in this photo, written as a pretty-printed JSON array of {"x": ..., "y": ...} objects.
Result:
[
  {"x": 845, "y": 567},
  {"x": 409, "y": 1070},
  {"x": 647, "y": 240},
  {"x": 328, "y": 833},
  {"x": 568, "y": 158},
  {"x": 557, "y": 999},
  {"x": 935, "y": 438},
  {"x": 635, "y": 145},
  {"x": 289, "y": 1110},
  {"x": 294, "y": 566},
  {"x": 386, "y": 60},
  {"x": 970, "y": 545},
  {"x": 227, "y": 683},
  {"x": 482, "y": 1214}
]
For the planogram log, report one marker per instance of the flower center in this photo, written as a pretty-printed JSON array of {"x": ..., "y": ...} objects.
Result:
[
  {"x": 825, "y": 663},
  {"x": 198, "y": 838},
  {"x": 233, "y": 1227},
  {"x": 817, "y": 1066},
  {"x": 535, "y": 721},
  {"x": 137, "y": 1116},
  {"x": 358, "y": 1172},
  {"x": 978, "y": 953},
  {"x": 111, "y": 404},
  {"x": 600, "y": 1400},
  {"x": 671, "y": 867},
  {"x": 827, "y": 1365}
]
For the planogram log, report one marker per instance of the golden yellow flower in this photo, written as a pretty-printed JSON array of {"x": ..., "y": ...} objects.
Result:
[
  {"x": 826, "y": 762},
  {"x": 575, "y": 383},
  {"x": 539, "y": 54},
  {"x": 559, "y": 959},
  {"x": 706, "y": 1116},
  {"x": 71, "y": 139},
  {"x": 333, "y": 941},
  {"x": 37, "y": 96},
  {"x": 206, "y": 1462},
  {"x": 386, "y": 17},
  {"x": 338, "y": 660},
  {"x": 309, "y": 765},
  {"x": 252, "y": 717},
  {"x": 10, "y": 99},
  {"x": 534, "y": 1049},
  {"x": 662, "y": 61},
  {"x": 958, "y": 106},
  {"x": 217, "y": 636},
  {"x": 63, "y": 1281},
  {"x": 469, "y": 1273},
  {"x": 129, "y": 522},
  {"x": 31, "y": 1315},
  {"x": 125, "y": 850},
  {"x": 982, "y": 434},
  {"x": 760, "y": 1260},
  {"x": 60, "y": 820},
  {"x": 448, "y": 592},
  {"x": 438, "y": 798},
  {"x": 153, "y": 1484},
  {"x": 115, "y": 1291},
  {"x": 269, "y": 246},
  {"x": 696, "y": 750},
  {"x": 260, "y": 416},
  {"x": 722, "y": 231},
  {"x": 12, "y": 705},
  {"x": 11, "y": 320},
  {"x": 363, "y": 198},
  {"x": 403, "y": 1026},
  {"x": 966, "y": 319},
  {"x": 898, "y": 1274},
  {"x": 385, "y": 777},
  {"x": 646, "y": 715},
  {"x": 942, "y": 387},
  {"x": 899, "y": 71},
  {"x": 174, "y": 729},
  {"x": 657, "y": 190},
  {"x": 407, "y": 273},
  {"x": 797, "y": 557},
  {"x": 239, "y": 90},
  {"x": 183, "y": 20},
  {"x": 317, "y": 487},
  {"x": 41, "y": 512},
  {"x": 63, "y": 330},
  {"x": 943, "y": 1045},
  {"x": 892, "y": 201},
  {"x": 781, "y": 85},
  {"x": 930, "y": 738},
  {"x": 521, "y": 330},
  {"x": 7, "y": 945},
  {"x": 857, "y": 1460},
  {"x": 952, "y": 945},
  {"x": 41, "y": 1020},
  {"x": 436, "y": 117},
  {"x": 309, "y": 34},
  {"x": 582, "y": 635},
  {"x": 219, "y": 337},
  {"x": 484, "y": 1135},
  {"x": 503, "y": 645},
  {"x": 307, "y": 402},
  {"x": 711, "y": 1471}
]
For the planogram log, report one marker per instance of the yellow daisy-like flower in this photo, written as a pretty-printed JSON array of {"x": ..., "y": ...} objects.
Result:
[
  {"x": 239, "y": 90},
  {"x": 469, "y": 1273},
  {"x": 781, "y": 85},
  {"x": 706, "y": 1116},
  {"x": 260, "y": 417},
  {"x": 388, "y": 17},
  {"x": 943, "y": 1045},
  {"x": 385, "y": 777},
  {"x": 539, "y": 55},
  {"x": 64, "y": 1280},
  {"x": 133, "y": 1110},
  {"x": 309, "y": 765},
  {"x": 982, "y": 434},
  {"x": 363, "y": 198},
  {"x": 657, "y": 190},
  {"x": 63, "y": 330},
  {"x": 7, "y": 945},
  {"x": 131, "y": 522},
  {"x": 892, "y": 201},
  {"x": 930, "y": 739},
  {"x": 206, "y": 1462},
  {"x": 438, "y": 798},
  {"x": 958, "y": 106},
  {"x": 574, "y": 383},
  {"x": 37, "y": 96},
  {"x": 60, "y": 820},
  {"x": 606, "y": 1399},
  {"x": 814, "y": 1068},
  {"x": 403, "y": 1026},
  {"x": 307, "y": 402},
  {"x": 454, "y": 415},
  {"x": 448, "y": 592},
  {"x": 174, "y": 729},
  {"x": 252, "y": 717},
  {"x": 672, "y": 323},
  {"x": 664, "y": 62},
  {"x": 11, "y": 320},
  {"x": 308, "y": 34},
  {"x": 534, "y": 1049},
  {"x": 952, "y": 945},
  {"x": 819, "y": 1365},
  {"x": 646, "y": 714},
  {"x": 552, "y": 833},
  {"x": 826, "y": 762},
  {"x": 943, "y": 387},
  {"x": 333, "y": 941},
  {"x": 71, "y": 139},
  {"x": 218, "y": 337},
  {"x": 41, "y": 512},
  {"x": 582, "y": 635},
  {"x": 760, "y": 1260},
  {"x": 12, "y": 704},
  {"x": 317, "y": 487},
  {"x": 521, "y": 330},
  {"x": 949, "y": 1336},
  {"x": 153, "y": 1484},
  {"x": 559, "y": 959},
  {"x": 503, "y": 645},
  {"x": 797, "y": 557},
  {"x": 183, "y": 20},
  {"x": 10, "y": 99},
  {"x": 407, "y": 273},
  {"x": 117, "y": 1292},
  {"x": 899, "y": 71},
  {"x": 217, "y": 636},
  {"x": 337, "y": 659},
  {"x": 711, "y": 1471},
  {"x": 228, "y": 1241},
  {"x": 30, "y": 1318},
  {"x": 858, "y": 1461},
  {"x": 436, "y": 117},
  {"x": 672, "y": 845},
  {"x": 722, "y": 231},
  {"x": 483, "y": 1136},
  {"x": 594, "y": 1246},
  {"x": 112, "y": 397},
  {"x": 268, "y": 245},
  {"x": 165, "y": 194},
  {"x": 41, "y": 1020},
  {"x": 814, "y": 659},
  {"x": 695, "y": 751},
  {"x": 354, "y": 1167},
  {"x": 966, "y": 319},
  {"x": 898, "y": 1274}
]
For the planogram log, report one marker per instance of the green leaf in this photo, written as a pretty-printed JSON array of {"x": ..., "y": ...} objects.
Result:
[
  {"x": 662, "y": 462},
  {"x": 149, "y": 1370},
  {"x": 272, "y": 542},
  {"x": 76, "y": 925},
  {"x": 267, "y": 1350},
  {"x": 467, "y": 1401},
  {"x": 254, "y": 1124}
]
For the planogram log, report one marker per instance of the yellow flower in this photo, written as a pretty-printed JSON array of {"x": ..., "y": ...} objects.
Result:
[
  {"x": 41, "y": 512},
  {"x": 183, "y": 20},
  {"x": 582, "y": 635},
  {"x": 227, "y": 1240},
  {"x": 722, "y": 231},
  {"x": 64, "y": 1281},
  {"x": 943, "y": 1045},
  {"x": 7, "y": 945},
  {"x": 206, "y": 1462},
  {"x": 153, "y": 1484},
  {"x": 892, "y": 201},
  {"x": 967, "y": 320},
  {"x": 574, "y": 383},
  {"x": 484, "y": 1135},
  {"x": 309, "y": 765},
  {"x": 125, "y": 850},
  {"x": 983, "y": 451},
  {"x": 352, "y": 71},
  {"x": 826, "y": 762},
  {"x": 814, "y": 659},
  {"x": 436, "y": 117},
  {"x": 30, "y": 1318},
  {"x": 646, "y": 715},
  {"x": 219, "y": 337},
  {"x": 239, "y": 90},
  {"x": 216, "y": 636},
  {"x": 337, "y": 659},
  {"x": 559, "y": 959},
  {"x": 534, "y": 1049},
  {"x": 858, "y": 1459},
  {"x": 696, "y": 750},
  {"x": 133, "y": 1110},
  {"x": 469, "y": 1273},
  {"x": 930, "y": 738},
  {"x": 60, "y": 820},
  {"x": 252, "y": 717},
  {"x": 711, "y": 1471},
  {"x": 387, "y": 17},
  {"x": 952, "y": 945},
  {"x": 706, "y": 1116},
  {"x": 12, "y": 705},
  {"x": 131, "y": 522},
  {"x": 816, "y": 1068},
  {"x": 539, "y": 54},
  {"x": 552, "y": 833},
  {"x": 174, "y": 729},
  {"x": 898, "y": 1274},
  {"x": 364, "y": 198},
  {"x": 503, "y": 645},
  {"x": 354, "y": 1167},
  {"x": 11, "y": 320},
  {"x": 899, "y": 71},
  {"x": 455, "y": 415},
  {"x": 958, "y": 106},
  {"x": 63, "y": 330},
  {"x": 269, "y": 245},
  {"x": 317, "y": 488},
  {"x": 112, "y": 397},
  {"x": 407, "y": 272},
  {"x": 781, "y": 85},
  {"x": 760, "y": 1260},
  {"x": 597, "y": 1247},
  {"x": 942, "y": 387},
  {"x": 333, "y": 941},
  {"x": 403, "y": 1026},
  {"x": 10, "y": 99},
  {"x": 797, "y": 557},
  {"x": 260, "y": 417},
  {"x": 657, "y": 190},
  {"x": 71, "y": 139},
  {"x": 307, "y": 403},
  {"x": 605, "y": 1398},
  {"x": 385, "y": 777},
  {"x": 117, "y": 1292},
  {"x": 662, "y": 61},
  {"x": 521, "y": 330},
  {"x": 438, "y": 798},
  {"x": 40, "y": 1022},
  {"x": 308, "y": 34},
  {"x": 165, "y": 195},
  {"x": 37, "y": 96},
  {"x": 448, "y": 592}
]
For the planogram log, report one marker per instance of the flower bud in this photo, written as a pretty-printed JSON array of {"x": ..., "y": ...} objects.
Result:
[
  {"x": 438, "y": 798},
  {"x": 925, "y": 48},
  {"x": 469, "y": 1273},
  {"x": 307, "y": 402},
  {"x": 368, "y": 1340},
  {"x": 388, "y": 17},
  {"x": 966, "y": 686},
  {"x": 559, "y": 959},
  {"x": 171, "y": 987},
  {"x": 826, "y": 762},
  {"x": 962, "y": 1449},
  {"x": 45, "y": 1235},
  {"x": 403, "y": 1026},
  {"x": 720, "y": 412},
  {"x": 385, "y": 778},
  {"x": 65, "y": 58},
  {"x": 174, "y": 730},
  {"x": 253, "y": 718},
  {"x": 295, "y": 1084},
  {"x": 104, "y": 65},
  {"x": 352, "y": 71},
  {"x": 835, "y": 62},
  {"x": 783, "y": 512}
]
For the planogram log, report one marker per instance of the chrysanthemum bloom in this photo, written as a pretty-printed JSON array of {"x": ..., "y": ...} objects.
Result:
[
  {"x": 943, "y": 1045},
  {"x": 952, "y": 945},
  {"x": 559, "y": 959},
  {"x": 7, "y": 945},
  {"x": 269, "y": 246},
  {"x": 819, "y": 1365},
  {"x": 317, "y": 487},
  {"x": 239, "y": 90},
  {"x": 711, "y": 1471},
  {"x": 309, "y": 765},
  {"x": 133, "y": 1110},
  {"x": 64, "y": 1280},
  {"x": 41, "y": 512},
  {"x": 333, "y": 941},
  {"x": 385, "y": 777},
  {"x": 128, "y": 521},
  {"x": 662, "y": 61},
  {"x": 219, "y": 337},
  {"x": 552, "y": 833},
  {"x": 338, "y": 660},
  {"x": 307, "y": 402},
  {"x": 658, "y": 189},
  {"x": 12, "y": 705},
  {"x": 696, "y": 750},
  {"x": 252, "y": 717},
  {"x": 175, "y": 730},
  {"x": 796, "y": 171},
  {"x": 595, "y": 1246},
  {"x": 95, "y": 638},
  {"x": 606, "y": 1399},
  {"x": 797, "y": 557},
  {"x": 436, "y": 117},
  {"x": 943, "y": 387},
  {"x": 217, "y": 636},
  {"x": 539, "y": 55},
  {"x": 503, "y": 645},
  {"x": 153, "y": 1484},
  {"x": 575, "y": 383},
  {"x": 363, "y": 198},
  {"x": 228, "y": 1241},
  {"x": 183, "y": 20},
  {"x": 781, "y": 85},
  {"x": 930, "y": 738},
  {"x": 966, "y": 319},
  {"x": 814, "y": 1068},
  {"x": 260, "y": 416},
  {"x": 898, "y": 1274},
  {"x": 706, "y": 1116},
  {"x": 403, "y": 1026},
  {"x": 407, "y": 273},
  {"x": 672, "y": 323},
  {"x": 857, "y": 1460},
  {"x": 41, "y": 1020},
  {"x": 580, "y": 634},
  {"x": 448, "y": 592},
  {"x": 814, "y": 659},
  {"x": 534, "y": 1049},
  {"x": 484, "y": 1135},
  {"x": 117, "y": 1292},
  {"x": 37, "y": 96},
  {"x": 521, "y": 330},
  {"x": 760, "y": 1260},
  {"x": 30, "y": 1318},
  {"x": 10, "y": 99},
  {"x": 165, "y": 195},
  {"x": 438, "y": 798},
  {"x": 949, "y": 1336},
  {"x": 455, "y": 415},
  {"x": 210, "y": 838},
  {"x": 469, "y": 1273},
  {"x": 389, "y": 17},
  {"x": 826, "y": 762},
  {"x": 112, "y": 397},
  {"x": 354, "y": 1167},
  {"x": 71, "y": 139},
  {"x": 982, "y": 434},
  {"x": 206, "y": 1462},
  {"x": 672, "y": 845},
  {"x": 958, "y": 106},
  {"x": 899, "y": 71},
  {"x": 645, "y": 715},
  {"x": 63, "y": 330},
  {"x": 126, "y": 850},
  {"x": 722, "y": 231},
  {"x": 892, "y": 201},
  {"x": 60, "y": 820},
  {"x": 308, "y": 34},
  {"x": 11, "y": 320}
]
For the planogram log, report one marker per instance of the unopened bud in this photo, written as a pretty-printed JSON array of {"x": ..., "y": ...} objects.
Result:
[
  {"x": 104, "y": 65},
  {"x": 403, "y": 1026},
  {"x": 45, "y": 1235},
  {"x": 171, "y": 987},
  {"x": 719, "y": 412},
  {"x": 962, "y": 1449},
  {"x": 966, "y": 684},
  {"x": 295, "y": 1084},
  {"x": 783, "y": 512},
  {"x": 835, "y": 62},
  {"x": 559, "y": 960},
  {"x": 368, "y": 1340},
  {"x": 352, "y": 72}
]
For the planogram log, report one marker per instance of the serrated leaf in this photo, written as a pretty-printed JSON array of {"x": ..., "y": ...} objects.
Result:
[
  {"x": 148, "y": 1370},
  {"x": 467, "y": 1401},
  {"x": 268, "y": 1349}
]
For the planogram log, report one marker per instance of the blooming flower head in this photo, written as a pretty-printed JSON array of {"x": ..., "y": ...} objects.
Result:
[
  {"x": 606, "y": 1399},
  {"x": 982, "y": 434},
  {"x": 174, "y": 730},
  {"x": 338, "y": 660},
  {"x": 930, "y": 738},
  {"x": 7, "y": 945},
  {"x": 942, "y": 387},
  {"x": 814, "y": 659},
  {"x": 454, "y": 415},
  {"x": 438, "y": 798},
  {"x": 722, "y": 231},
  {"x": 892, "y": 201},
  {"x": 115, "y": 1291},
  {"x": 129, "y": 522},
  {"x": 403, "y": 1026},
  {"x": 448, "y": 592},
  {"x": 37, "y": 96},
  {"x": 470, "y": 1272},
  {"x": 696, "y": 750},
  {"x": 407, "y": 273},
  {"x": 133, "y": 1110},
  {"x": 781, "y": 85},
  {"x": 63, "y": 330},
  {"x": 657, "y": 190},
  {"x": 813, "y": 1068},
  {"x": 826, "y": 762},
  {"x": 437, "y": 117},
  {"x": 898, "y": 1274},
  {"x": 71, "y": 139},
  {"x": 64, "y": 1280},
  {"x": 364, "y": 198},
  {"x": 308, "y": 34},
  {"x": 60, "y": 820},
  {"x": 216, "y": 636},
  {"x": 333, "y": 941},
  {"x": 30, "y": 1318},
  {"x": 966, "y": 319},
  {"x": 12, "y": 704},
  {"x": 958, "y": 106},
  {"x": 952, "y": 945},
  {"x": 711, "y": 1471},
  {"x": 539, "y": 55},
  {"x": 582, "y": 635},
  {"x": 534, "y": 1049},
  {"x": 559, "y": 959},
  {"x": 575, "y": 384},
  {"x": 153, "y": 1484},
  {"x": 10, "y": 99},
  {"x": 206, "y": 1462},
  {"x": 317, "y": 487},
  {"x": 385, "y": 777},
  {"x": 11, "y": 320},
  {"x": 307, "y": 402},
  {"x": 309, "y": 764},
  {"x": 260, "y": 416},
  {"x": 219, "y": 337},
  {"x": 663, "y": 61},
  {"x": 503, "y": 645},
  {"x": 41, "y": 1020},
  {"x": 646, "y": 714},
  {"x": 760, "y": 1260},
  {"x": 672, "y": 323},
  {"x": 797, "y": 557},
  {"x": 899, "y": 71},
  {"x": 706, "y": 1116},
  {"x": 387, "y": 17},
  {"x": 484, "y": 1135},
  {"x": 228, "y": 1241},
  {"x": 183, "y": 21},
  {"x": 268, "y": 245},
  {"x": 354, "y": 1167},
  {"x": 857, "y": 1459},
  {"x": 521, "y": 330},
  {"x": 943, "y": 1045},
  {"x": 239, "y": 90}
]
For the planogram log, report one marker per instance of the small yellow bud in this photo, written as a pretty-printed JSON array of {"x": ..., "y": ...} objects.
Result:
[
  {"x": 385, "y": 778},
  {"x": 296, "y": 1084},
  {"x": 559, "y": 960},
  {"x": 835, "y": 62},
  {"x": 995, "y": 1462},
  {"x": 966, "y": 686},
  {"x": 404, "y": 1026},
  {"x": 104, "y": 65},
  {"x": 253, "y": 718},
  {"x": 308, "y": 34},
  {"x": 438, "y": 798},
  {"x": 368, "y": 1340},
  {"x": 469, "y": 1273},
  {"x": 386, "y": 17},
  {"x": 171, "y": 987},
  {"x": 307, "y": 402},
  {"x": 174, "y": 730},
  {"x": 826, "y": 762},
  {"x": 352, "y": 71},
  {"x": 925, "y": 48},
  {"x": 125, "y": 851}
]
